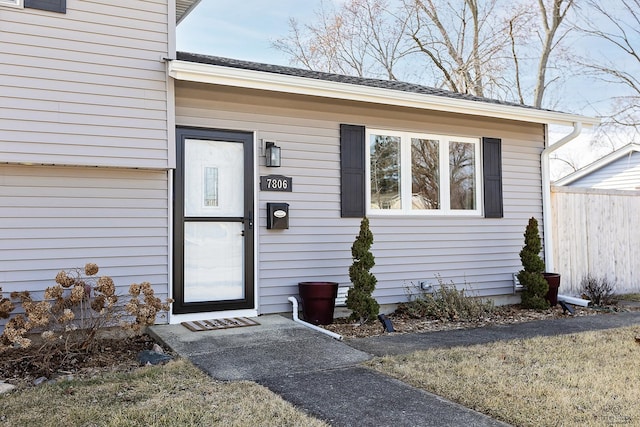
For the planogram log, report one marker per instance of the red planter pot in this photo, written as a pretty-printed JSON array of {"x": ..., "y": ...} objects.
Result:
[
  {"x": 553, "y": 279},
  {"x": 318, "y": 301}
]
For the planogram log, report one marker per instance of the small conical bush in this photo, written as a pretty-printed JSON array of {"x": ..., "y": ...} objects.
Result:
[
  {"x": 535, "y": 286},
  {"x": 359, "y": 298}
]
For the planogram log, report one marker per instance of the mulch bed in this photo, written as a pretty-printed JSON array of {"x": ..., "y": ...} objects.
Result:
[
  {"x": 503, "y": 315},
  {"x": 23, "y": 366}
]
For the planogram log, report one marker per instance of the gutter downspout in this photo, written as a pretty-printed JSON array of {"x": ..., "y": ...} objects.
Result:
[
  {"x": 294, "y": 301},
  {"x": 546, "y": 192}
]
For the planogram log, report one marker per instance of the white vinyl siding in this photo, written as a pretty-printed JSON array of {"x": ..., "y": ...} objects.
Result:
[
  {"x": 480, "y": 251},
  {"x": 55, "y": 218},
  {"x": 87, "y": 87},
  {"x": 621, "y": 174}
]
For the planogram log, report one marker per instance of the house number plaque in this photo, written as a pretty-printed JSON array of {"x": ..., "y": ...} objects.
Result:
[{"x": 276, "y": 183}]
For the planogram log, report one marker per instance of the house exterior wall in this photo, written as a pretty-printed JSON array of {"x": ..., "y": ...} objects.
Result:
[
  {"x": 86, "y": 142},
  {"x": 87, "y": 87},
  {"x": 55, "y": 218},
  {"x": 479, "y": 251},
  {"x": 621, "y": 174}
]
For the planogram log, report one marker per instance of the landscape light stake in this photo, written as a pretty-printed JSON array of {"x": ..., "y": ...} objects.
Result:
[
  {"x": 386, "y": 323},
  {"x": 566, "y": 307}
]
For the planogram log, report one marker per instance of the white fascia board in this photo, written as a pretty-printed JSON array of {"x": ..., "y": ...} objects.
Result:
[{"x": 237, "y": 77}]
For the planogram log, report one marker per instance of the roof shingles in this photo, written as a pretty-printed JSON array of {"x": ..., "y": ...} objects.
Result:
[{"x": 339, "y": 78}]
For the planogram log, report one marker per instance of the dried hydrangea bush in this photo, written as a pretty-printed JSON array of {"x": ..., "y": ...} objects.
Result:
[{"x": 74, "y": 310}]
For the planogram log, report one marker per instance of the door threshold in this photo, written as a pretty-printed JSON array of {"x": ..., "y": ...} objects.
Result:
[{"x": 190, "y": 317}]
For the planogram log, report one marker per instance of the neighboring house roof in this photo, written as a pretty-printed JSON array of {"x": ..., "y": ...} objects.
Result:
[
  {"x": 232, "y": 72},
  {"x": 184, "y": 7},
  {"x": 599, "y": 165}
]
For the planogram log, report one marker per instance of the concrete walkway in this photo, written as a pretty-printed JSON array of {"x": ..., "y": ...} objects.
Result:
[
  {"x": 276, "y": 348},
  {"x": 322, "y": 376},
  {"x": 316, "y": 373}
]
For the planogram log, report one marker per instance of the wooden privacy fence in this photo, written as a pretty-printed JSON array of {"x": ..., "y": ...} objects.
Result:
[{"x": 596, "y": 232}]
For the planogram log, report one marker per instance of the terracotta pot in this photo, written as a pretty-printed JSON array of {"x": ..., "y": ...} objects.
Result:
[
  {"x": 318, "y": 301},
  {"x": 553, "y": 279}
]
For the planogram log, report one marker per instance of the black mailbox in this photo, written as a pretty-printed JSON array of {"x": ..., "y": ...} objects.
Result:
[{"x": 277, "y": 216}]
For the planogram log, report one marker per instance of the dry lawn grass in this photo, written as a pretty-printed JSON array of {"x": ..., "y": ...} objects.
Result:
[
  {"x": 177, "y": 394},
  {"x": 629, "y": 297},
  {"x": 586, "y": 379}
]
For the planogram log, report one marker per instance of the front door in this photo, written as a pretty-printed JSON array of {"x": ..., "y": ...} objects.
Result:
[{"x": 213, "y": 221}]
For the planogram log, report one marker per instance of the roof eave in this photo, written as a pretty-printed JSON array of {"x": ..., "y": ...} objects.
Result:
[
  {"x": 184, "y": 8},
  {"x": 236, "y": 77}
]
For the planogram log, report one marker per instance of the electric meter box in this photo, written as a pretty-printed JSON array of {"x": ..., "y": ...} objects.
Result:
[{"x": 277, "y": 216}]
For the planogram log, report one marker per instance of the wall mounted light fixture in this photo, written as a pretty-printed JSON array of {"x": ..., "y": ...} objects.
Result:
[{"x": 272, "y": 154}]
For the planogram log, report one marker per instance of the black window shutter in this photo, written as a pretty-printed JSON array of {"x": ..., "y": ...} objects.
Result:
[
  {"x": 352, "y": 179},
  {"x": 59, "y": 6},
  {"x": 492, "y": 171}
]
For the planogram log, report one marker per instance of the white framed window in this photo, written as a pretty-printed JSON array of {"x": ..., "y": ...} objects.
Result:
[
  {"x": 422, "y": 174},
  {"x": 11, "y": 3}
]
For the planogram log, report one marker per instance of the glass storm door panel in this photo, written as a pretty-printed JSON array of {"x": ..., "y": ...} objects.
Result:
[
  {"x": 214, "y": 249},
  {"x": 213, "y": 179},
  {"x": 213, "y": 261}
]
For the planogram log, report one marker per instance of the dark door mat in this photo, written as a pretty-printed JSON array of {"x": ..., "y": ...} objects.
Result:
[{"x": 215, "y": 324}]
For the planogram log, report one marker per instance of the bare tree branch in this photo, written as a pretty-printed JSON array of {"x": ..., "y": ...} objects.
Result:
[
  {"x": 617, "y": 25},
  {"x": 436, "y": 61},
  {"x": 551, "y": 24},
  {"x": 516, "y": 61},
  {"x": 484, "y": 48},
  {"x": 570, "y": 163},
  {"x": 361, "y": 37}
]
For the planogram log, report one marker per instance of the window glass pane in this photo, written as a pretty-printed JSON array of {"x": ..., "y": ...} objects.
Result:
[
  {"x": 425, "y": 170},
  {"x": 462, "y": 166},
  {"x": 385, "y": 172}
]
